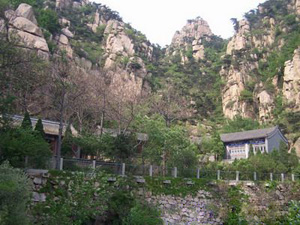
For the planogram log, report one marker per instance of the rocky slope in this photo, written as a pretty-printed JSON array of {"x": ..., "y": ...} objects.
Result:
[
  {"x": 92, "y": 36},
  {"x": 190, "y": 39},
  {"x": 250, "y": 85}
]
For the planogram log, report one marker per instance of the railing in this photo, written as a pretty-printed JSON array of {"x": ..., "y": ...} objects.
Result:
[{"x": 71, "y": 164}]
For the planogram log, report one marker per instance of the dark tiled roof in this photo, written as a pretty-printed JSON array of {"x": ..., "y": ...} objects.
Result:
[
  {"x": 50, "y": 127},
  {"x": 246, "y": 135}
]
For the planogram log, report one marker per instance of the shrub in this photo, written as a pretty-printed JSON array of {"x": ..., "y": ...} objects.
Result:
[
  {"x": 48, "y": 19},
  {"x": 143, "y": 214},
  {"x": 14, "y": 195}
]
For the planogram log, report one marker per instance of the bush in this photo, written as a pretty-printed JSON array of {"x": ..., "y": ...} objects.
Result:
[
  {"x": 48, "y": 19},
  {"x": 14, "y": 196},
  {"x": 143, "y": 214},
  {"x": 17, "y": 143}
]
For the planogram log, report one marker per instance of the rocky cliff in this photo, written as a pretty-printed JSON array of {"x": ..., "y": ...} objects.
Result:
[
  {"x": 256, "y": 69},
  {"x": 94, "y": 37},
  {"x": 190, "y": 40}
]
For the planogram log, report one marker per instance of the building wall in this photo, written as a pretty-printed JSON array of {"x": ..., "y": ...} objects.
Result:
[{"x": 274, "y": 141}]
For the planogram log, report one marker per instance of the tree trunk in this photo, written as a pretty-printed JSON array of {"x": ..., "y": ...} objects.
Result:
[{"x": 60, "y": 130}]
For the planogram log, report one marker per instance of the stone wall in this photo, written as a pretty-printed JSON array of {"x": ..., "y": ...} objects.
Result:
[
  {"x": 209, "y": 204},
  {"x": 186, "y": 210}
]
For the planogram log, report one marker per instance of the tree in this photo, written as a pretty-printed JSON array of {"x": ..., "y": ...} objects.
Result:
[
  {"x": 67, "y": 143},
  {"x": 39, "y": 128},
  {"x": 26, "y": 123},
  {"x": 63, "y": 93},
  {"x": 15, "y": 193},
  {"x": 18, "y": 143},
  {"x": 235, "y": 23},
  {"x": 169, "y": 104},
  {"x": 166, "y": 145},
  {"x": 48, "y": 19}
]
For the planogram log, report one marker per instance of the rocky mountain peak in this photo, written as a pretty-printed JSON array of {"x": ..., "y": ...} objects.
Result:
[
  {"x": 189, "y": 39},
  {"x": 194, "y": 30}
]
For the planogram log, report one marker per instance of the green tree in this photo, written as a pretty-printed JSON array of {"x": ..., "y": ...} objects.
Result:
[
  {"x": 26, "y": 123},
  {"x": 17, "y": 143},
  {"x": 39, "y": 128},
  {"x": 67, "y": 143},
  {"x": 15, "y": 193},
  {"x": 48, "y": 19}
]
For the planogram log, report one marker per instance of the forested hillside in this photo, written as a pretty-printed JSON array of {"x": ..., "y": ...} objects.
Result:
[{"x": 78, "y": 62}]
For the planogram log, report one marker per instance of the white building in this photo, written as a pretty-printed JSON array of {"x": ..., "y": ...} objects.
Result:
[{"x": 263, "y": 140}]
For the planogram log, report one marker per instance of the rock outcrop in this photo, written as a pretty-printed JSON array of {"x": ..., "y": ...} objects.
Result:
[
  {"x": 23, "y": 28},
  {"x": 291, "y": 84},
  {"x": 125, "y": 69},
  {"x": 190, "y": 38},
  {"x": 240, "y": 39}
]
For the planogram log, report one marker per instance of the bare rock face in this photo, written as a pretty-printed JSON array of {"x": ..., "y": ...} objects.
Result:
[
  {"x": 125, "y": 70},
  {"x": 190, "y": 38},
  {"x": 64, "y": 45},
  {"x": 29, "y": 40},
  {"x": 291, "y": 84},
  {"x": 239, "y": 40},
  {"x": 296, "y": 145},
  {"x": 26, "y": 11},
  {"x": 26, "y": 25},
  {"x": 67, "y": 32},
  {"x": 61, "y": 4},
  {"x": 266, "y": 105},
  {"x": 23, "y": 28},
  {"x": 236, "y": 80}
]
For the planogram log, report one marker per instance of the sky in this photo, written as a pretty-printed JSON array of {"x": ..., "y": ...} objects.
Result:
[{"x": 160, "y": 19}]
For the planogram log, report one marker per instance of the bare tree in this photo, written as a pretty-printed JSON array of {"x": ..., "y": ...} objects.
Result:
[{"x": 64, "y": 92}]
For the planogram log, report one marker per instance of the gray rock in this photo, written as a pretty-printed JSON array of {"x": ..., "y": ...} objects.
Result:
[
  {"x": 37, "y": 180},
  {"x": 26, "y": 11}
]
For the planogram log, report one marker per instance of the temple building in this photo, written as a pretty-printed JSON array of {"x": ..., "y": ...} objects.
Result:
[{"x": 263, "y": 140}]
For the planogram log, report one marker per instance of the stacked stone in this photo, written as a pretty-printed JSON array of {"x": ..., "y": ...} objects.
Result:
[{"x": 186, "y": 210}]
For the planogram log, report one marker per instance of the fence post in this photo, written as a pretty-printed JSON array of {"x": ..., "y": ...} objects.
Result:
[
  {"x": 94, "y": 164},
  {"x": 61, "y": 165},
  {"x": 123, "y": 169},
  {"x": 293, "y": 177},
  {"x": 282, "y": 177},
  {"x": 175, "y": 172},
  {"x": 198, "y": 173},
  {"x": 254, "y": 175},
  {"x": 151, "y": 171},
  {"x": 237, "y": 176},
  {"x": 218, "y": 175},
  {"x": 271, "y": 176}
]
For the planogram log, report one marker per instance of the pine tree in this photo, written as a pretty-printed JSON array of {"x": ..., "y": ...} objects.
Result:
[
  {"x": 251, "y": 151},
  {"x": 67, "y": 142},
  {"x": 26, "y": 123},
  {"x": 40, "y": 128}
]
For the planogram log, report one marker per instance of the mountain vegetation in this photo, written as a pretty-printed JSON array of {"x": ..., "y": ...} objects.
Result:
[{"x": 78, "y": 63}]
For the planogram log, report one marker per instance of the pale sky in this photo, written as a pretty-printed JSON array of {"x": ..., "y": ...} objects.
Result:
[{"x": 159, "y": 19}]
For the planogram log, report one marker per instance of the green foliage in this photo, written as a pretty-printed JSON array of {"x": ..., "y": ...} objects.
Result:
[
  {"x": 74, "y": 201},
  {"x": 246, "y": 95},
  {"x": 213, "y": 145},
  {"x": 89, "y": 50},
  {"x": 17, "y": 143},
  {"x": 26, "y": 123},
  {"x": 143, "y": 214},
  {"x": 235, "y": 198},
  {"x": 240, "y": 124},
  {"x": 123, "y": 149},
  {"x": 67, "y": 143},
  {"x": 15, "y": 193},
  {"x": 39, "y": 128},
  {"x": 177, "y": 187},
  {"x": 171, "y": 141},
  {"x": 48, "y": 20}
]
